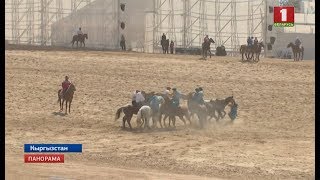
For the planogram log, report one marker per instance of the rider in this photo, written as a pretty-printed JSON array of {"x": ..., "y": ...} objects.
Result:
[
  {"x": 166, "y": 92},
  {"x": 155, "y": 102},
  {"x": 65, "y": 85},
  {"x": 195, "y": 95},
  {"x": 79, "y": 32},
  {"x": 164, "y": 37},
  {"x": 298, "y": 42},
  {"x": 200, "y": 96},
  {"x": 249, "y": 41},
  {"x": 137, "y": 98},
  {"x": 255, "y": 42},
  {"x": 206, "y": 39},
  {"x": 171, "y": 47},
  {"x": 175, "y": 98}
]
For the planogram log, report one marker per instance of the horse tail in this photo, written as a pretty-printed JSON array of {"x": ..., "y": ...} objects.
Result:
[{"x": 118, "y": 113}]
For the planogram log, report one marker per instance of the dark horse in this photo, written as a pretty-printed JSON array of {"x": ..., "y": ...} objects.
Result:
[
  {"x": 199, "y": 109},
  {"x": 165, "y": 46},
  {"x": 171, "y": 112},
  {"x": 257, "y": 51},
  {"x": 123, "y": 45},
  {"x": 254, "y": 49},
  {"x": 67, "y": 96},
  {"x": 206, "y": 48},
  {"x": 296, "y": 50},
  {"x": 80, "y": 38},
  {"x": 130, "y": 110},
  {"x": 218, "y": 106}
]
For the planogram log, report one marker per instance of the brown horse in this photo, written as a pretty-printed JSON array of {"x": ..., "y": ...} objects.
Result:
[
  {"x": 80, "y": 38},
  {"x": 296, "y": 50},
  {"x": 67, "y": 96},
  {"x": 218, "y": 106},
  {"x": 247, "y": 51},
  {"x": 129, "y": 110},
  {"x": 165, "y": 46},
  {"x": 199, "y": 109},
  {"x": 257, "y": 51},
  {"x": 168, "y": 111}
]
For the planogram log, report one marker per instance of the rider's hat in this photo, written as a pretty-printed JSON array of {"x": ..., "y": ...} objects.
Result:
[
  {"x": 174, "y": 89},
  {"x": 197, "y": 89},
  {"x": 200, "y": 88},
  {"x": 168, "y": 88},
  {"x": 67, "y": 77}
]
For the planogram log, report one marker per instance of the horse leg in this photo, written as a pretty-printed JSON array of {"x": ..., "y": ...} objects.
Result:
[
  {"x": 164, "y": 120},
  {"x": 182, "y": 119},
  {"x": 224, "y": 114},
  {"x": 62, "y": 105},
  {"x": 124, "y": 121},
  {"x": 66, "y": 107},
  {"x": 188, "y": 117},
  {"x": 84, "y": 44},
  {"x": 129, "y": 119},
  {"x": 69, "y": 106},
  {"x": 174, "y": 121},
  {"x": 60, "y": 102},
  {"x": 160, "y": 117}
]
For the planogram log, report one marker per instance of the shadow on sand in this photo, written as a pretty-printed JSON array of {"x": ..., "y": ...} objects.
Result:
[{"x": 59, "y": 113}]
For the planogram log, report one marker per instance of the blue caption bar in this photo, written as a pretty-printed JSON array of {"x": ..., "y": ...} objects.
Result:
[{"x": 58, "y": 148}]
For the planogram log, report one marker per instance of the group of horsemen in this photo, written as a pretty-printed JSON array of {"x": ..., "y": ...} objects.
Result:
[
  {"x": 251, "y": 42},
  {"x": 174, "y": 98}
]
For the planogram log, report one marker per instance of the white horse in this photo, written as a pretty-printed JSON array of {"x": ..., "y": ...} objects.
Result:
[
  {"x": 156, "y": 115},
  {"x": 143, "y": 116}
]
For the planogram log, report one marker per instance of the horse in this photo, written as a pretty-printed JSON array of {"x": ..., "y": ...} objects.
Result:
[
  {"x": 67, "y": 96},
  {"x": 257, "y": 51},
  {"x": 123, "y": 45},
  {"x": 168, "y": 111},
  {"x": 244, "y": 49},
  {"x": 296, "y": 50},
  {"x": 80, "y": 38},
  {"x": 143, "y": 116},
  {"x": 199, "y": 109},
  {"x": 219, "y": 107},
  {"x": 206, "y": 48},
  {"x": 129, "y": 110},
  {"x": 165, "y": 46}
]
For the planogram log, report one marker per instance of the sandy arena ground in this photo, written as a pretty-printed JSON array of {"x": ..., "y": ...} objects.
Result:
[{"x": 272, "y": 138}]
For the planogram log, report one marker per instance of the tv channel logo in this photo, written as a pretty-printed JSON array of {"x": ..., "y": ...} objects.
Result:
[
  {"x": 283, "y": 16},
  {"x": 45, "y": 153}
]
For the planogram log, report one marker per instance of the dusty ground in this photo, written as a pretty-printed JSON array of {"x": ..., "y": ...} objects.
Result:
[{"x": 272, "y": 138}]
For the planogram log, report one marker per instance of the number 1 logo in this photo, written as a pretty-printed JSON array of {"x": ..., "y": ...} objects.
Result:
[{"x": 283, "y": 14}]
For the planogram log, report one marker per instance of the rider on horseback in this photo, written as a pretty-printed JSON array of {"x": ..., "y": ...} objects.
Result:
[
  {"x": 79, "y": 32},
  {"x": 65, "y": 85},
  {"x": 137, "y": 99},
  {"x": 155, "y": 102},
  {"x": 249, "y": 41},
  {"x": 198, "y": 96},
  {"x": 256, "y": 41},
  {"x": 166, "y": 92},
  {"x": 164, "y": 37},
  {"x": 298, "y": 42},
  {"x": 176, "y": 98},
  {"x": 206, "y": 39}
]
